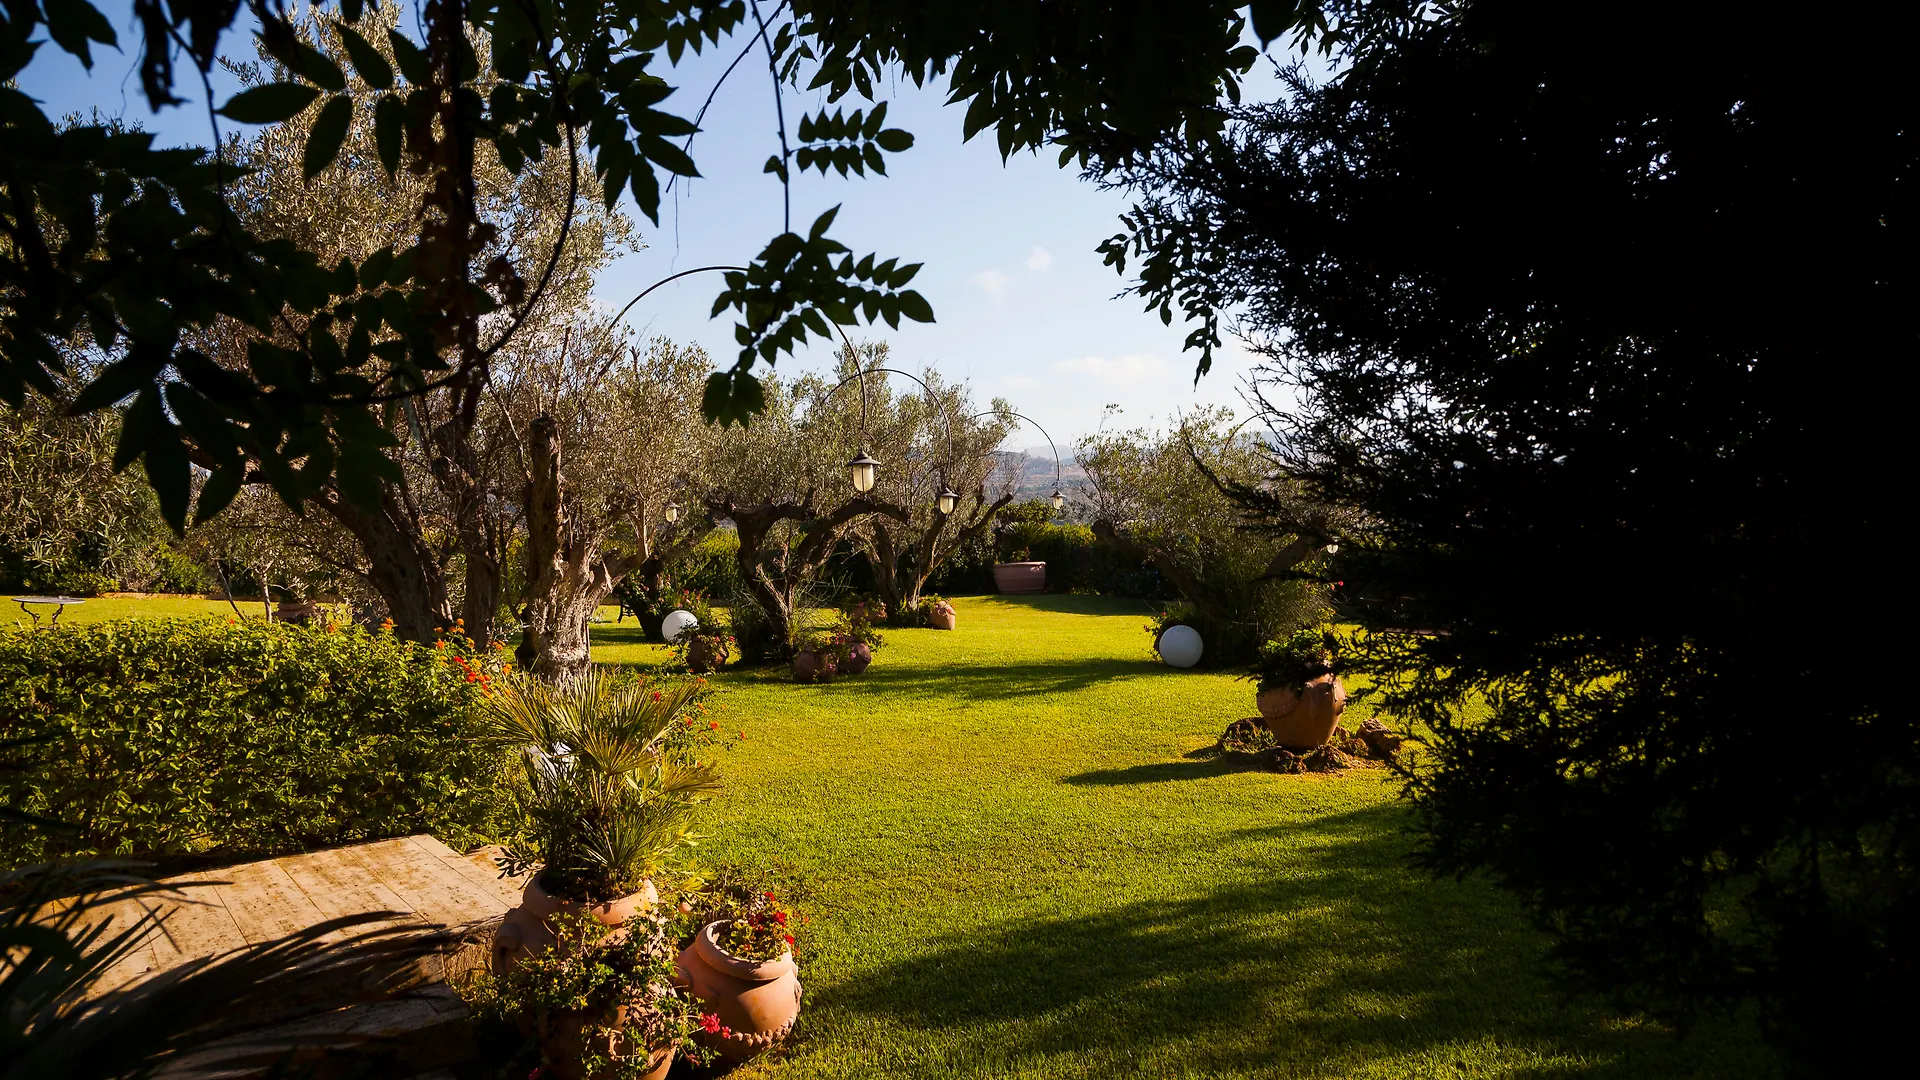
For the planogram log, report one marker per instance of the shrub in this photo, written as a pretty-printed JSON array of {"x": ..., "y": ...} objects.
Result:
[
  {"x": 711, "y": 566},
  {"x": 210, "y": 736}
]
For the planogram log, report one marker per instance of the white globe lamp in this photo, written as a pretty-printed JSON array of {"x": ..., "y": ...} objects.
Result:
[
  {"x": 1179, "y": 646},
  {"x": 677, "y": 623}
]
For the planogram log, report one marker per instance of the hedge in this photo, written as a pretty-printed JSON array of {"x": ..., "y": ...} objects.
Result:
[{"x": 160, "y": 737}]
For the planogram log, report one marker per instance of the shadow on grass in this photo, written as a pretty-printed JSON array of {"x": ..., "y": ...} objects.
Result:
[
  {"x": 1195, "y": 766},
  {"x": 1337, "y": 959},
  {"x": 1072, "y": 603},
  {"x": 997, "y": 680}
]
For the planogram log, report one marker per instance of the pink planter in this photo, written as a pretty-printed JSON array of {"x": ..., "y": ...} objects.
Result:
[
  {"x": 756, "y": 999},
  {"x": 1020, "y": 577},
  {"x": 942, "y": 618}
]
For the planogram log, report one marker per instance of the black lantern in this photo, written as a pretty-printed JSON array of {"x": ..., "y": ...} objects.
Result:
[{"x": 862, "y": 469}]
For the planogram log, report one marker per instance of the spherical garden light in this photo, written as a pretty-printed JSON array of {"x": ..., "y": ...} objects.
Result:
[
  {"x": 1059, "y": 500},
  {"x": 672, "y": 512},
  {"x": 947, "y": 499},
  {"x": 863, "y": 470}
]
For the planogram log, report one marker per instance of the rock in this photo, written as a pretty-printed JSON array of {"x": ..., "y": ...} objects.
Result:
[
  {"x": 1354, "y": 748},
  {"x": 1279, "y": 760},
  {"x": 1326, "y": 759},
  {"x": 1381, "y": 742},
  {"x": 1244, "y": 737},
  {"x": 1339, "y": 732}
]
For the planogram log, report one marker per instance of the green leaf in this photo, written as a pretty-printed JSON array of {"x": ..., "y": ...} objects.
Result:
[
  {"x": 413, "y": 62},
  {"x": 269, "y": 104},
  {"x": 219, "y": 491},
  {"x": 329, "y": 131},
  {"x": 915, "y": 307},
  {"x": 389, "y": 125},
  {"x": 373, "y": 68},
  {"x": 894, "y": 140}
]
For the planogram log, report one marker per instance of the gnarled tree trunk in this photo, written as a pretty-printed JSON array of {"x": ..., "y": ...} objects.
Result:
[
  {"x": 900, "y": 585},
  {"x": 400, "y": 565},
  {"x": 567, "y": 575}
]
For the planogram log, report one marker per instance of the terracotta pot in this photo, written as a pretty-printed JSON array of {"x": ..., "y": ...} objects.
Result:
[
  {"x": 810, "y": 666},
  {"x": 528, "y": 928},
  {"x": 1303, "y": 717},
  {"x": 942, "y": 618},
  {"x": 858, "y": 657},
  {"x": 705, "y": 654},
  {"x": 757, "y": 999},
  {"x": 1020, "y": 577},
  {"x": 564, "y": 1038}
]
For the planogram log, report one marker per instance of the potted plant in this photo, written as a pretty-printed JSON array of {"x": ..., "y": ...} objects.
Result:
[
  {"x": 1020, "y": 574},
  {"x": 603, "y": 1004},
  {"x": 937, "y": 613},
  {"x": 1299, "y": 692},
  {"x": 817, "y": 656},
  {"x": 740, "y": 965},
  {"x": 611, "y": 787}
]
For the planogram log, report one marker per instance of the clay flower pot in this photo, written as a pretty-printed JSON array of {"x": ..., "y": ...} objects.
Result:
[
  {"x": 1020, "y": 577},
  {"x": 528, "y": 928},
  {"x": 706, "y": 654},
  {"x": 810, "y": 666},
  {"x": 941, "y": 617},
  {"x": 565, "y": 1039},
  {"x": 1303, "y": 717},
  {"x": 757, "y": 999},
  {"x": 858, "y": 657}
]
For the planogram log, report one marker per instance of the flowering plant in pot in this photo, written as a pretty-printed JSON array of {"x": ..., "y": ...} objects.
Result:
[
  {"x": 1299, "y": 692},
  {"x": 605, "y": 1004},
  {"x": 612, "y": 782},
  {"x": 935, "y": 612},
  {"x": 740, "y": 963}
]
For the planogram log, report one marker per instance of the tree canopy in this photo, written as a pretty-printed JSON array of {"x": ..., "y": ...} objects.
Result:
[{"x": 1590, "y": 329}]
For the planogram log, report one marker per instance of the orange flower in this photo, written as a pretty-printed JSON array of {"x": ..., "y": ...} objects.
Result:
[{"x": 714, "y": 725}]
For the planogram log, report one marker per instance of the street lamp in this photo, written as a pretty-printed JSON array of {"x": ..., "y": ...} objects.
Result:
[
  {"x": 1059, "y": 500},
  {"x": 672, "y": 512},
  {"x": 862, "y": 469},
  {"x": 947, "y": 499}
]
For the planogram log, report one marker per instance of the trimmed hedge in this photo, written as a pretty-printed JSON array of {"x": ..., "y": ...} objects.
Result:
[
  {"x": 156, "y": 737},
  {"x": 1076, "y": 563}
]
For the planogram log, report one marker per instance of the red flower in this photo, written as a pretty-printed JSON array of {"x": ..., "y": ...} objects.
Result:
[
  {"x": 789, "y": 938},
  {"x": 656, "y": 695},
  {"x": 769, "y": 898},
  {"x": 710, "y": 1023},
  {"x": 780, "y": 917},
  {"x": 714, "y": 724}
]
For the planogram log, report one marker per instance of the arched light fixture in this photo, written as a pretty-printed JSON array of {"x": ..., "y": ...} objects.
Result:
[
  {"x": 947, "y": 499},
  {"x": 672, "y": 512},
  {"x": 1058, "y": 500},
  {"x": 863, "y": 469}
]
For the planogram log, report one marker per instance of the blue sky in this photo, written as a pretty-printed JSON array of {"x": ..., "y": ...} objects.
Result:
[{"x": 1025, "y": 308}]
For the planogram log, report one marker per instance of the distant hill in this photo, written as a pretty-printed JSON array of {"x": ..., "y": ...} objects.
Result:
[{"x": 1037, "y": 475}]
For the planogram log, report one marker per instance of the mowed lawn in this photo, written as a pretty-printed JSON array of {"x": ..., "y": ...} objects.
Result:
[{"x": 1025, "y": 864}]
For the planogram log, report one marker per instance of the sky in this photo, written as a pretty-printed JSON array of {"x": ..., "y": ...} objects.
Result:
[{"x": 1024, "y": 307}]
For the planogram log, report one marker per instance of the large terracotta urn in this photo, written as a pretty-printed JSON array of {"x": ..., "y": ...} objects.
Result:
[
  {"x": 706, "y": 654},
  {"x": 757, "y": 1000},
  {"x": 1304, "y": 716},
  {"x": 1020, "y": 577},
  {"x": 529, "y": 929},
  {"x": 859, "y": 657},
  {"x": 942, "y": 617},
  {"x": 815, "y": 666}
]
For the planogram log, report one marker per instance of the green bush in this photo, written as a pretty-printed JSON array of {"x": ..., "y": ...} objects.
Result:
[
  {"x": 710, "y": 567},
  {"x": 154, "y": 737}
]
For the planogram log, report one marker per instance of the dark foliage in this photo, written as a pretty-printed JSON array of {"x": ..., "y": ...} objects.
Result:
[{"x": 1590, "y": 330}]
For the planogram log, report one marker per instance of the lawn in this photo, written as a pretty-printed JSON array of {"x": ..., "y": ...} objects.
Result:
[{"x": 1026, "y": 865}]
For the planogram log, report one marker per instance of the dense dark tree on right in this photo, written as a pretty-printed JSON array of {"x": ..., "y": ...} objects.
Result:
[{"x": 1597, "y": 322}]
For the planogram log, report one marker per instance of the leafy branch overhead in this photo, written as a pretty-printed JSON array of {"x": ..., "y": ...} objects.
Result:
[{"x": 120, "y": 256}]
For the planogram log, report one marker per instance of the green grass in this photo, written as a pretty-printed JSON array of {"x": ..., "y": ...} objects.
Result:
[
  {"x": 101, "y": 608},
  {"x": 1025, "y": 866}
]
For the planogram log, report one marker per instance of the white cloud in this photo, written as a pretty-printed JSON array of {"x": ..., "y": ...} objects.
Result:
[
  {"x": 1041, "y": 258},
  {"x": 993, "y": 281},
  {"x": 1124, "y": 371}
]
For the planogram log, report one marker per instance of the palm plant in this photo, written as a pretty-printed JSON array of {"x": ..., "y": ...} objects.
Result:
[{"x": 606, "y": 801}]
